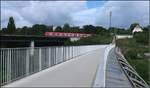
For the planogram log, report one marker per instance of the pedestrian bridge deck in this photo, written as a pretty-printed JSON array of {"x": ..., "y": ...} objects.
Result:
[
  {"x": 99, "y": 67},
  {"x": 115, "y": 76},
  {"x": 77, "y": 72}
]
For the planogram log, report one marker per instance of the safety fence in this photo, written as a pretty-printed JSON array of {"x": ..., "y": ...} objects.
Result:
[
  {"x": 134, "y": 78},
  {"x": 16, "y": 63}
]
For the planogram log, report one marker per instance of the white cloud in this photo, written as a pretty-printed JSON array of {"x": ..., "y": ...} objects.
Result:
[
  {"x": 85, "y": 17},
  {"x": 56, "y": 13},
  {"x": 42, "y": 12},
  {"x": 19, "y": 20},
  {"x": 124, "y": 13}
]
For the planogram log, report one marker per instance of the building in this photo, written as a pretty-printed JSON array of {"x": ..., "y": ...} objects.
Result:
[
  {"x": 51, "y": 27},
  {"x": 123, "y": 36},
  {"x": 137, "y": 29}
]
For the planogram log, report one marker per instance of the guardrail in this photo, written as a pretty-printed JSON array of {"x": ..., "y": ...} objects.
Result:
[
  {"x": 135, "y": 80},
  {"x": 16, "y": 63}
]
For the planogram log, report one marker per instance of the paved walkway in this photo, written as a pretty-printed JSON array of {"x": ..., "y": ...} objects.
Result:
[
  {"x": 77, "y": 72},
  {"x": 115, "y": 76}
]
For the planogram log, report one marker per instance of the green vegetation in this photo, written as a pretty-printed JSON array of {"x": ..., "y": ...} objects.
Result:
[
  {"x": 40, "y": 29},
  {"x": 93, "y": 40},
  {"x": 134, "y": 49},
  {"x": 11, "y": 28},
  {"x": 37, "y": 29},
  {"x": 119, "y": 31}
]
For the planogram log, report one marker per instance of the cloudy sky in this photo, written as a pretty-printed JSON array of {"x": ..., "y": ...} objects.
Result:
[{"x": 76, "y": 13}]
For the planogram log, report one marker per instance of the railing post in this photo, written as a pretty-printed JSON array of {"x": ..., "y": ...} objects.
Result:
[
  {"x": 9, "y": 66},
  {"x": 72, "y": 52},
  {"x": 27, "y": 62},
  {"x": 55, "y": 55},
  {"x": 63, "y": 53},
  {"x": 40, "y": 65},
  {"x": 49, "y": 57},
  {"x": 1, "y": 67}
]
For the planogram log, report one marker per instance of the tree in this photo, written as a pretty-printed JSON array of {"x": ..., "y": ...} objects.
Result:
[
  {"x": 25, "y": 30},
  {"x": 11, "y": 26},
  {"x": 4, "y": 30},
  {"x": 112, "y": 30},
  {"x": 75, "y": 29},
  {"x": 58, "y": 29},
  {"x": 100, "y": 30},
  {"x": 66, "y": 28},
  {"x": 89, "y": 29},
  {"x": 40, "y": 29}
]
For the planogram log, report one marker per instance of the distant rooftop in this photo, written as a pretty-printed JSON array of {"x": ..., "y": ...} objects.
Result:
[{"x": 137, "y": 29}]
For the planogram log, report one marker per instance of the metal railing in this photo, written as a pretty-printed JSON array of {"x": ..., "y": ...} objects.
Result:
[
  {"x": 135, "y": 80},
  {"x": 16, "y": 63}
]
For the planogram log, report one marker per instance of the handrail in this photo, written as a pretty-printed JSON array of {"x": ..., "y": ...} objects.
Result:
[{"x": 131, "y": 74}]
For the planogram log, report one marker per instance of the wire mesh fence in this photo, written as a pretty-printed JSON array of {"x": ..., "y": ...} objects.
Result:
[{"x": 16, "y": 63}]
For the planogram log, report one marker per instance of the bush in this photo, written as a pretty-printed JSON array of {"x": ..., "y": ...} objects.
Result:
[
  {"x": 131, "y": 53},
  {"x": 95, "y": 39},
  {"x": 141, "y": 37},
  {"x": 141, "y": 66},
  {"x": 133, "y": 50}
]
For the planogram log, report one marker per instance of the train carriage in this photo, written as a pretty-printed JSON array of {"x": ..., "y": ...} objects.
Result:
[{"x": 60, "y": 34}]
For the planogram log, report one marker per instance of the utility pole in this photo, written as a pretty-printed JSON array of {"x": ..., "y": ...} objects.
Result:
[
  {"x": 110, "y": 19},
  {"x": 114, "y": 38}
]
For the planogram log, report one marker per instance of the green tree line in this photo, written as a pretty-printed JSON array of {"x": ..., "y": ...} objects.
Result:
[{"x": 40, "y": 29}]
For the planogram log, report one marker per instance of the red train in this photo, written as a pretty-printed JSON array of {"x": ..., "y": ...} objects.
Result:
[{"x": 60, "y": 34}]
